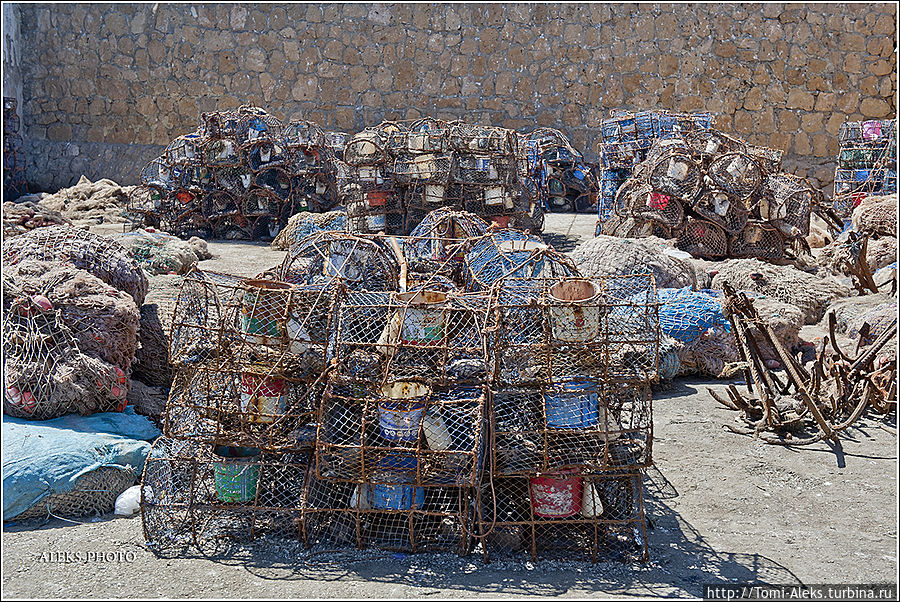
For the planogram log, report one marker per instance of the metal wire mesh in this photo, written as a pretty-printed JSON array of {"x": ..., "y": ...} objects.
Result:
[
  {"x": 702, "y": 238},
  {"x": 325, "y": 257},
  {"x": 512, "y": 254},
  {"x": 867, "y": 163},
  {"x": 758, "y": 239},
  {"x": 399, "y": 517},
  {"x": 384, "y": 435},
  {"x": 564, "y": 516},
  {"x": 737, "y": 173},
  {"x": 198, "y": 495}
]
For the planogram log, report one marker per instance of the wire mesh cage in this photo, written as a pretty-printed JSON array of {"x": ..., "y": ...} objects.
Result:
[
  {"x": 402, "y": 432},
  {"x": 632, "y": 328},
  {"x": 221, "y": 152},
  {"x": 396, "y": 517},
  {"x": 255, "y": 125},
  {"x": 702, "y": 238},
  {"x": 366, "y": 148},
  {"x": 477, "y": 139},
  {"x": 655, "y": 206},
  {"x": 867, "y": 163},
  {"x": 723, "y": 209},
  {"x": 264, "y": 154},
  {"x": 252, "y": 409},
  {"x": 710, "y": 143},
  {"x": 202, "y": 496},
  {"x": 513, "y": 254},
  {"x": 675, "y": 173},
  {"x": 483, "y": 170},
  {"x": 324, "y": 257},
  {"x": 424, "y": 168},
  {"x": 184, "y": 150},
  {"x": 438, "y": 244},
  {"x": 430, "y": 334},
  {"x": 299, "y": 134},
  {"x": 583, "y": 426},
  {"x": 787, "y": 202},
  {"x": 739, "y": 174},
  {"x": 564, "y": 516},
  {"x": 275, "y": 330},
  {"x": 758, "y": 239}
]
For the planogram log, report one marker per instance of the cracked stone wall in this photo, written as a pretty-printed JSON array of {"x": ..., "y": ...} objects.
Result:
[{"x": 106, "y": 87}]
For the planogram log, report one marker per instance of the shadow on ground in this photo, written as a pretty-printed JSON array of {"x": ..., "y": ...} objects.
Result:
[{"x": 681, "y": 561}]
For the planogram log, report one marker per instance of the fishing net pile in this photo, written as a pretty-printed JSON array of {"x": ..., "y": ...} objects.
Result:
[
  {"x": 20, "y": 218},
  {"x": 240, "y": 175},
  {"x": 301, "y": 225},
  {"x": 611, "y": 256},
  {"x": 716, "y": 196},
  {"x": 69, "y": 339},
  {"x": 101, "y": 256},
  {"x": 809, "y": 292},
  {"x": 161, "y": 253},
  {"x": 877, "y": 215},
  {"x": 88, "y": 203}
]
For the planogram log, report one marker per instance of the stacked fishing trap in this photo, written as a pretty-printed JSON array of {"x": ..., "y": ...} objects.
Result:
[
  {"x": 558, "y": 173},
  {"x": 241, "y": 174},
  {"x": 866, "y": 164},
  {"x": 381, "y": 392},
  {"x": 397, "y": 172},
  {"x": 717, "y": 196},
  {"x": 626, "y": 138}
]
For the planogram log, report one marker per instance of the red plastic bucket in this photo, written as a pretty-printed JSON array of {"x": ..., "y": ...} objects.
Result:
[{"x": 556, "y": 496}]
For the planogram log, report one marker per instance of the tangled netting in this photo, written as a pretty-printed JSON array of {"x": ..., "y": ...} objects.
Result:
[
  {"x": 94, "y": 493},
  {"x": 866, "y": 163},
  {"x": 68, "y": 339},
  {"x": 611, "y": 256},
  {"x": 876, "y": 215},
  {"x": 839, "y": 256},
  {"x": 161, "y": 253},
  {"x": 240, "y": 174},
  {"x": 717, "y": 196},
  {"x": 625, "y": 139},
  {"x": 101, "y": 256},
  {"x": 87, "y": 203},
  {"x": 808, "y": 292},
  {"x": 301, "y": 225},
  {"x": 20, "y": 218},
  {"x": 14, "y": 183}
]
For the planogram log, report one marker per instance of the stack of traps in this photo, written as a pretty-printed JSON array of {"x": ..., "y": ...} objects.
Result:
[
  {"x": 867, "y": 163},
  {"x": 512, "y": 420}
]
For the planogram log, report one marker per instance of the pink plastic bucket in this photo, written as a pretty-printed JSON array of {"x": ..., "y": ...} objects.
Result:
[{"x": 556, "y": 496}]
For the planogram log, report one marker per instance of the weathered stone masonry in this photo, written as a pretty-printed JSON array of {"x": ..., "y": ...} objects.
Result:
[{"x": 106, "y": 86}]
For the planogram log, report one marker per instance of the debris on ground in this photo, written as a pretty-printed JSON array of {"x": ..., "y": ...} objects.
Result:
[{"x": 812, "y": 402}]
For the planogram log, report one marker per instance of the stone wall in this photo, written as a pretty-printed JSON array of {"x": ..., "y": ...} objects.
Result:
[{"x": 107, "y": 86}]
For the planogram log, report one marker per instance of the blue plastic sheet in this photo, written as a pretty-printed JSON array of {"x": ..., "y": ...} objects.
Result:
[{"x": 41, "y": 458}]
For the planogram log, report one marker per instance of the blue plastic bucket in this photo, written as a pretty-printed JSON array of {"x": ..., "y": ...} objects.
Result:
[
  {"x": 572, "y": 406},
  {"x": 401, "y": 410},
  {"x": 397, "y": 497}
]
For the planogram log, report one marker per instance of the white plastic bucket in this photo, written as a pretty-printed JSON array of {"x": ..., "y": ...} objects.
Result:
[
  {"x": 574, "y": 311},
  {"x": 422, "y": 317}
]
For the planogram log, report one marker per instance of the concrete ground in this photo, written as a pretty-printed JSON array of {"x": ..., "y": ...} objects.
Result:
[{"x": 722, "y": 508}]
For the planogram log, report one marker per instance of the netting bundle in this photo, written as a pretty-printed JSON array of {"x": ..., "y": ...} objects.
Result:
[
  {"x": 101, "y": 256},
  {"x": 604, "y": 256},
  {"x": 513, "y": 254},
  {"x": 45, "y": 375},
  {"x": 876, "y": 214},
  {"x": 94, "y": 493},
  {"x": 809, "y": 292}
]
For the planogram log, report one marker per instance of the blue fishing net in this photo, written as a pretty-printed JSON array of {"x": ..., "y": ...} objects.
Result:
[{"x": 685, "y": 314}]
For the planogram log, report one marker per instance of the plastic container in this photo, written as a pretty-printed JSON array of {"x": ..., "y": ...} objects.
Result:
[
  {"x": 574, "y": 310},
  {"x": 401, "y": 410},
  {"x": 572, "y": 406},
  {"x": 422, "y": 317},
  {"x": 263, "y": 397},
  {"x": 556, "y": 496},
  {"x": 236, "y": 475}
]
